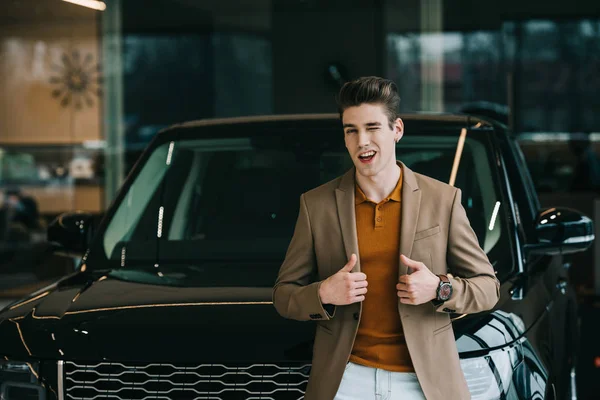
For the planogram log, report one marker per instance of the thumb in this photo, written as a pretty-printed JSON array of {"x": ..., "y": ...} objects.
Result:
[
  {"x": 350, "y": 264},
  {"x": 415, "y": 265}
]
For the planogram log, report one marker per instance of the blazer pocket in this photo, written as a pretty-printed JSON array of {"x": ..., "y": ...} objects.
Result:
[
  {"x": 427, "y": 232},
  {"x": 442, "y": 329}
]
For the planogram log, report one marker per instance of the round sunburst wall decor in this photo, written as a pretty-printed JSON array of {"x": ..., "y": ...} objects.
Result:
[{"x": 78, "y": 81}]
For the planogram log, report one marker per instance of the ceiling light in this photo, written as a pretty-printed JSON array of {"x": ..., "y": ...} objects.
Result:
[{"x": 94, "y": 4}]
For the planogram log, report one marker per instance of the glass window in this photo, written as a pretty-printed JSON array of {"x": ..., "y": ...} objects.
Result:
[
  {"x": 472, "y": 70},
  {"x": 172, "y": 78},
  {"x": 563, "y": 162},
  {"x": 555, "y": 64}
]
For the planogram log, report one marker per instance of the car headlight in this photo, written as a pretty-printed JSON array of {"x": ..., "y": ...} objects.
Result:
[
  {"x": 19, "y": 380},
  {"x": 489, "y": 377}
]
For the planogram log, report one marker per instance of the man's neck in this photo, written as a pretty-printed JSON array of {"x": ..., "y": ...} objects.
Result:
[{"x": 378, "y": 187}]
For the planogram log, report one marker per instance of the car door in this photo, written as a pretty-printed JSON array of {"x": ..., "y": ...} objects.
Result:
[{"x": 546, "y": 293}]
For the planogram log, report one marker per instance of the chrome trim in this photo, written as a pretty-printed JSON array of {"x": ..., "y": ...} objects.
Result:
[
  {"x": 39, "y": 296},
  {"x": 170, "y": 154},
  {"x": 424, "y": 116},
  {"x": 518, "y": 293},
  {"x": 579, "y": 239},
  {"x": 161, "y": 212},
  {"x": 151, "y": 365},
  {"x": 123, "y": 254},
  {"x": 573, "y": 384},
  {"x": 60, "y": 379},
  {"x": 494, "y": 216}
]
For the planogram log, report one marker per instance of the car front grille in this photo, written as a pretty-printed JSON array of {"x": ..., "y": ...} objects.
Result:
[{"x": 185, "y": 382}]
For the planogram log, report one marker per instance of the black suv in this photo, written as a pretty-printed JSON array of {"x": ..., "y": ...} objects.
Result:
[{"x": 172, "y": 299}]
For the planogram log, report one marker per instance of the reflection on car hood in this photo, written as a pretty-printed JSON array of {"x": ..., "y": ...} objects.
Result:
[
  {"x": 487, "y": 331},
  {"x": 86, "y": 317}
]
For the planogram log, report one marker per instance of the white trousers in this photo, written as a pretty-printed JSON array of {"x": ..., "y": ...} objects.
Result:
[{"x": 366, "y": 383}]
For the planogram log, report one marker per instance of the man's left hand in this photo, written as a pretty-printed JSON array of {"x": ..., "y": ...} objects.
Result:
[{"x": 418, "y": 287}]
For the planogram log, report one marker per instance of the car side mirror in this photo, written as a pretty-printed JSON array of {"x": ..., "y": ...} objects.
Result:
[
  {"x": 71, "y": 232},
  {"x": 561, "y": 231}
]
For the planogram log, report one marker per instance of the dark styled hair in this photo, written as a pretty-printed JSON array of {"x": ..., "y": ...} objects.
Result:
[{"x": 370, "y": 90}]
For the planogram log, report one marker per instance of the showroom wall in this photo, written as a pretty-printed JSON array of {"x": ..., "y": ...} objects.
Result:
[
  {"x": 43, "y": 69},
  {"x": 50, "y": 108},
  {"x": 51, "y": 138}
]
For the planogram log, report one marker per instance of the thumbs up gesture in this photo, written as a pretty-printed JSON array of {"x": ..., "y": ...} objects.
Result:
[
  {"x": 344, "y": 287},
  {"x": 419, "y": 286}
]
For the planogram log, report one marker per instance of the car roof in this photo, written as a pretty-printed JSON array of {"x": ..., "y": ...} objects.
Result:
[{"x": 414, "y": 121}]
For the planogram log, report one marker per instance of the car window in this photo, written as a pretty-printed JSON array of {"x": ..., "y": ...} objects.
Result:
[
  {"x": 522, "y": 188},
  {"x": 136, "y": 201},
  {"x": 238, "y": 198}
]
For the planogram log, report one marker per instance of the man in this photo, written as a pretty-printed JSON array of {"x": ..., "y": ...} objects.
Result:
[{"x": 410, "y": 256}]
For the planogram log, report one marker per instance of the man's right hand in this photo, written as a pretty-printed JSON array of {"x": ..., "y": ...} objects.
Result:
[{"x": 344, "y": 287}]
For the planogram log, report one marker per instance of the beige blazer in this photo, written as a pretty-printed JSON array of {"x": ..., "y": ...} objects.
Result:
[{"x": 434, "y": 230}]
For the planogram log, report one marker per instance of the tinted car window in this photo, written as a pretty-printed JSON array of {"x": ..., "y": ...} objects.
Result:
[{"x": 217, "y": 202}]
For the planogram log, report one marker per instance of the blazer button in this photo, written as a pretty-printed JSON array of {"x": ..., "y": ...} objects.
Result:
[{"x": 356, "y": 315}]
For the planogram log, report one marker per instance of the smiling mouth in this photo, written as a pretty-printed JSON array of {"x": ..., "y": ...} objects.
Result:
[{"x": 368, "y": 156}]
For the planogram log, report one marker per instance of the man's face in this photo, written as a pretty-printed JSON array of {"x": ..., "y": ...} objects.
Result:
[{"x": 369, "y": 139}]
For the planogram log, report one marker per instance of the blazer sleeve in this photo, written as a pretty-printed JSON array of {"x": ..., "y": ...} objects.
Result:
[
  {"x": 295, "y": 295},
  {"x": 474, "y": 283}
]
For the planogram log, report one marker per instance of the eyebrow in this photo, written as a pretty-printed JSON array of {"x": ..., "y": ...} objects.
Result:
[{"x": 367, "y": 124}]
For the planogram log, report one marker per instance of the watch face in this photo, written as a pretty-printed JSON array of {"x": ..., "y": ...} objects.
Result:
[{"x": 445, "y": 291}]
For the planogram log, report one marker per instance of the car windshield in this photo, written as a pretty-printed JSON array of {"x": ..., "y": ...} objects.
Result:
[{"x": 200, "y": 205}]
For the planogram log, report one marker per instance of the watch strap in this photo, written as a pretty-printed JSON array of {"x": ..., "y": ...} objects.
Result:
[{"x": 437, "y": 303}]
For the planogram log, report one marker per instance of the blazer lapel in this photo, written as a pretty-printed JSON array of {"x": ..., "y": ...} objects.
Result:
[
  {"x": 344, "y": 196},
  {"x": 411, "y": 202}
]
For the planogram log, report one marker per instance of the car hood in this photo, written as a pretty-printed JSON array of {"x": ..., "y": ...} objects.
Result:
[{"x": 90, "y": 317}]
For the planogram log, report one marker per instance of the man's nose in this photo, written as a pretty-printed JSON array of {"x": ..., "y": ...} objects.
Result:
[{"x": 363, "y": 139}]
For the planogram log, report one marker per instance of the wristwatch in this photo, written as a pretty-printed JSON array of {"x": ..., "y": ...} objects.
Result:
[{"x": 444, "y": 290}]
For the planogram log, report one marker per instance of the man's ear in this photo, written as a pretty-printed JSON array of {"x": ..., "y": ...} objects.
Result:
[{"x": 398, "y": 129}]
